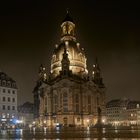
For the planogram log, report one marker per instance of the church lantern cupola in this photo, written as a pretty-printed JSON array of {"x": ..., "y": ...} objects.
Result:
[
  {"x": 76, "y": 54},
  {"x": 68, "y": 29}
]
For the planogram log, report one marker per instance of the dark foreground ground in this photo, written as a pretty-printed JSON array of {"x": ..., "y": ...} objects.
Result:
[{"x": 72, "y": 133}]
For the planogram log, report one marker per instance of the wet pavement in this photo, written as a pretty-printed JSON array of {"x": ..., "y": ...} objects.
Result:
[{"x": 71, "y": 134}]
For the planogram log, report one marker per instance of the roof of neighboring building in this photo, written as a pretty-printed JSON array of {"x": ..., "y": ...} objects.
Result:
[
  {"x": 4, "y": 76},
  {"x": 113, "y": 103},
  {"x": 128, "y": 104},
  {"x": 27, "y": 107},
  {"x": 8, "y": 81},
  {"x": 117, "y": 103},
  {"x": 133, "y": 105}
]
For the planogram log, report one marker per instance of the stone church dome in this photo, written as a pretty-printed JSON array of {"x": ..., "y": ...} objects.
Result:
[
  {"x": 68, "y": 95},
  {"x": 76, "y": 54}
]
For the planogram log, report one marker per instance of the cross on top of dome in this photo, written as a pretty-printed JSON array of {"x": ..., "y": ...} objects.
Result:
[{"x": 68, "y": 17}]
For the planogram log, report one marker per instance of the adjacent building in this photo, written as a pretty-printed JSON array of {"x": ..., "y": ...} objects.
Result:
[
  {"x": 25, "y": 113},
  {"x": 8, "y": 100},
  {"x": 123, "y": 112},
  {"x": 69, "y": 95},
  {"x": 133, "y": 113}
]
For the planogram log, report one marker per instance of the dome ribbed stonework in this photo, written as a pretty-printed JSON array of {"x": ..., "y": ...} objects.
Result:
[{"x": 76, "y": 56}]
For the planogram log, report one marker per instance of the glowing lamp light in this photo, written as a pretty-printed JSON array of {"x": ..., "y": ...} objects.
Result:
[
  {"x": 57, "y": 124},
  {"x": 14, "y": 121},
  {"x": 78, "y": 44},
  {"x": 56, "y": 46},
  {"x": 87, "y": 120},
  {"x": 66, "y": 43},
  {"x": 19, "y": 121},
  {"x": 103, "y": 120}
]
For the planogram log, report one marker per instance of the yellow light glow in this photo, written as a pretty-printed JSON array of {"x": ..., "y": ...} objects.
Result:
[
  {"x": 78, "y": 44},
  {"x": 66, "y": 43},
  {"x": 56, "y": 46},
  {"x": 103, "y": 120},
  {"x": 87, "y": 120}
]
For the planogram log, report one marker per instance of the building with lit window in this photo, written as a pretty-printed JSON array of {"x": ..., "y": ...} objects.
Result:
[
  {"x": 133, "y": 113},
  {"x": 123, "y": 112},
  {"x": 8, "y": 100},
  {"x": 116, "y": 111},
  {"x": 25, "y": 113},
  {"x": 68, "y": 95}
]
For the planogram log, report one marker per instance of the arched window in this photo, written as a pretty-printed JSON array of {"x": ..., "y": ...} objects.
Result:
[
  {"x": 89, "y": 99},
  {"x": 77, "y": 103},
  {"x": 9, "y": 84},
  {"x": 97, "y": 100},
  {"x": 65, "y": 102},
  {"x": 89, "y": 103},
  {"x": 3, "y": 83},
  {"x": 76, "y": 98},
  {"x": 46, "y": 105},
  {"x": 55, "y": 103},
  {"x": 14, "y": 84}
]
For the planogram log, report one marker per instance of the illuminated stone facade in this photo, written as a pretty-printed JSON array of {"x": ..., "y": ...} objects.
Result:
[
  {"x": 123, "y": 112},
  {"x": 68, "y": 95},
  {"x": 8, "y": 100},
  {"x": 75, "y": 53}
]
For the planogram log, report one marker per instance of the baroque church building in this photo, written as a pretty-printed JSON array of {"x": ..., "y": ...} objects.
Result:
[{"x": 68, "y": 95}]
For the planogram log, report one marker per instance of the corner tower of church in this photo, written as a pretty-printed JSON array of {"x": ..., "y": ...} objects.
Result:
[{"x": 76, "y": 54}]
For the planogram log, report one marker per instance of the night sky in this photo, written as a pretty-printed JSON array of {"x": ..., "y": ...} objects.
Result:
[{"x": 108, "y": 30}]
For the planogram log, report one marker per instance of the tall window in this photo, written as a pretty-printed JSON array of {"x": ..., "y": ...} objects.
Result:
[
  {"x": 89, "y": 99},
  {"x": 4, "y": 83},
  {"x": 8, "y": 107},
  {"x": 3, "y": 99},
  {"x": 9, "y": 83},
  {"x": 46, "y": 105},
  {"x": 65, "y": 102},
  {"x": 13, "y": 107},
  {"x": 97, "y": 100},
  {"x": 55, "y": 103},
  {"x": 13, "y": 99},
  {"x": 77, "y": 108},
  {"x": 4, "y": 90},
  {"x": 89, "y": 103},
  {"x": 8, "y": 99},
  {"x": 77, "y": 103},
  {"x": 77, "y": 98},
  {"x": 89, "y": 108},
  {"x": 3, "y": 107}
]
